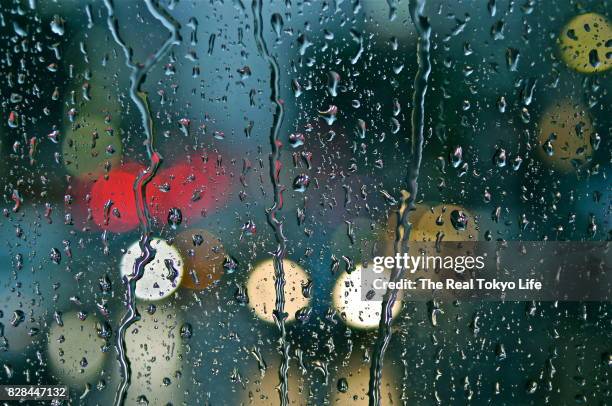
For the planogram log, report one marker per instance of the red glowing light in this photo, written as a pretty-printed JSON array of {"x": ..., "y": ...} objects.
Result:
[
  {"x": 191, "y": 187},
  {"x": 121, "y": 214}
]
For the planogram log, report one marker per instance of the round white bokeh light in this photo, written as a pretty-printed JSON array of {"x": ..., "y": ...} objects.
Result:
[
  {"x": 354, "y": 310},
  {"x": 162, "y": 276},
  {"x": 262, "y": 293},
  {"x": 156, "y": 351}
]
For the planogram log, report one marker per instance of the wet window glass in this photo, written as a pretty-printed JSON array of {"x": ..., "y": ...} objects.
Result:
[{"x": 198, "y": 196}]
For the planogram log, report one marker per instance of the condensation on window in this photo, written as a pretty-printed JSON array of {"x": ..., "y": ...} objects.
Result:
[{"x": 194, "y": 191}]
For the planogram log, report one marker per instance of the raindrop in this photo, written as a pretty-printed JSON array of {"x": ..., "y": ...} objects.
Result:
[
  {"x": 277, "y": 24},
  {"x": 332, "y": 85},
  {"x": 55, "y": 255},
  {"x": 186, "y": 331},
  {"x": 175, "y": 217},
  {"x": 342, "y": 385},
  {"x": 459, "y": 220},
  {"x": 301, "y": 182},
  {"x": 499, "y": 159},
  {"x": 296, "y": 139},
  {"x": 229, "y": 264},
  {"x": 456, "y": 156}
]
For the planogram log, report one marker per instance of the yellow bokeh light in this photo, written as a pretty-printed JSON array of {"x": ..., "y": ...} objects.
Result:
[
  {"x": 584, "y": 43},
  {"x": 347, "y": 298},
  {"x": 564, "y": 140},
  {"x": 262, "y": 293},
  {"x": 75, "y": 350}
]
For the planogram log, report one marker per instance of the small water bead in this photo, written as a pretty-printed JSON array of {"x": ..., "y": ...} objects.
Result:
[
  {"x": 342, "y": 385},
  {"x": 330, "y": 114},
  {"x": 459, "y": 220},
  {"x": 307, "y": 288},
  {"x": 172, "y": 271},
  {"x": 57, "y": 25},
  {"x": 301, "y": 183},
  {"x": 186, "y": 331},
  {"x": 55, "y": 255},
  {"x": 175, "y": 217},
  {"x": 303, "y": 315},
  {"x": 297, "y": 88},
  {"x": 501, "y": 104},
  {"x": 277, "y": 24},
  {"x": 17, "y": 318},
  {"x": 499, "y": 159},
  {"x": 249, "y": 228},
  {"x": 240, "y": 294},
  {"x": 230, "y": 265},
  {"x": 332, "y": 85},
  {"x": 197, "y": 240},
  {"x": 296, "y": 139},
  {"x": 13, "y": 119},
  {"x": 456, "y": 156},
  {"x": 245, "y": 72}
]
